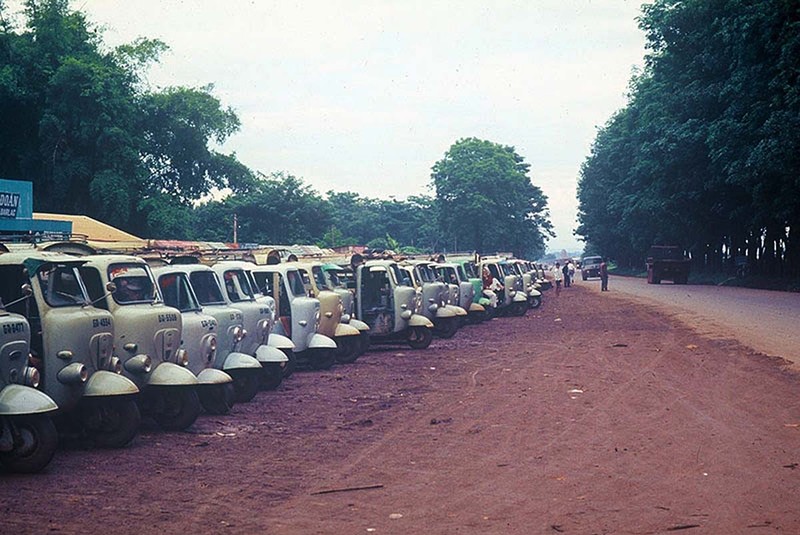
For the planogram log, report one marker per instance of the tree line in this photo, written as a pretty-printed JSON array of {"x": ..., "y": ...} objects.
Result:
[
  {"x": 82, "y": 123},
  {"x": 706, "y": 154}
]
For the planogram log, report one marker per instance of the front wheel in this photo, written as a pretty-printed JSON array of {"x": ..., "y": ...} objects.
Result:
[
  {"x": 118, "y": 421},
  {"x": 535, "y": 301},
  {"x": 348, "y": 349},
  {"x": 180, "y": 408},
  {"x": 419, "y": 337},
  {"x": 322, "y": 359},
  {"x": 34, "y": 443},
  {"x": 217, "y": 399},
  {"x": 272, "y": 376},
  {"x": 447, "y": 327},
  {"x": 519, "y": 308},
  {"x": 246, "y": 383}
]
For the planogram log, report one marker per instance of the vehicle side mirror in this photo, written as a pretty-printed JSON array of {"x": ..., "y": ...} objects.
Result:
[
  {"x": 111, "y": 287},
  {"x": 27, "y": 290}
]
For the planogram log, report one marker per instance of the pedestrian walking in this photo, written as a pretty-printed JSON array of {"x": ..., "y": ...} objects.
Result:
[
  {"x": 565, "y": 272},
  {"x": 558, "y": 276},
  {"x": 603, "y": 276}
]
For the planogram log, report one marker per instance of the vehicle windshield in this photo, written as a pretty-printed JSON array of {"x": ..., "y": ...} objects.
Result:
[
  {"x": 507, "y": 269},
  {"x": 449, "y": 274},
  {"x": 425, "y": 273},
  {"x": 134, "y": 284},
  {"x": 319, "y": 278},
  {"x": 592, "y": 260},
  {"x": 237, "y": 286},
  {"x": 62, "y": 286},
  {"x": 206, "y": 288},
  {"x": 177, "y": 292},
  {"x": 295, "y": 283},
  {"x": 401, "y": 278},
  {"x": 462, "y": 273},
  {"x": 263, "y": 281}
]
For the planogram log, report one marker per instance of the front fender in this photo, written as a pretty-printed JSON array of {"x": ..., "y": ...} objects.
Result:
[
  {"x": 445, "y": 312},
  {"x": 417, "y": 320},
  {"x": 212, "y": 376},
  {"x": 358, "y": 324},
  {"x": 170, "y": 374},
  {"x": 105, "y": 383},
  {"x": 280, "y": 341},
  {"x": 476, "y": 308},
  {"x": 240, "y": 361},
  {"x": 270, "y": 354},
  {"x": 342, "y": 329},
  {"x": 519, "y": 296},
  {"x": 534, "y": 293},
  {"x": 457, "y": 309},
  {"x": 21, "y": 399},
  {"x": 320, "y": 341}
]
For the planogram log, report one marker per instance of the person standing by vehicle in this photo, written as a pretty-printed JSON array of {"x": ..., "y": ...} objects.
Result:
[
  {"x": 558, "y": 276},
  {"x": 603, "y": 275}
]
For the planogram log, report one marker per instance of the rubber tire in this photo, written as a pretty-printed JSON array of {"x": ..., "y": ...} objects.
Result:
[
  {"x": 183, "y": 406},
  {"x": 491, "y": 313},
  {"x": 291, "y": 364},
  {"x": 272, "y": 375},
  {"x": 120, "y": 419},
  {"x": 41, "y": 429},
  {"x": 365, "y": 340},
  {"x": 217, "y": 399},
  {"x": 419, "y": 337},
  {"x": 518, "y": 308},
  {"x": 322, "y": 359},
  {"x": 446, "y": 327},
  {"x": 246, "y": 384},
  {"x": 348, "y": 349},
  {"x": 535, "y": 302}
]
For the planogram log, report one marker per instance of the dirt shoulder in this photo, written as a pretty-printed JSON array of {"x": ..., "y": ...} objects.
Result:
[{"x": 594, "y": 414}]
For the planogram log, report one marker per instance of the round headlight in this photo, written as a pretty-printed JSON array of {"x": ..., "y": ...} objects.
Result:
[
  {"x": 31, "y": 376},
  {"x": 114, "y": 365},
  {"x": 182, "y": 356},
  {"x": 238, "y": 333}
]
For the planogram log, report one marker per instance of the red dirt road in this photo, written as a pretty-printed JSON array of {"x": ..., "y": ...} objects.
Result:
[{"x": 594, "y": 414}]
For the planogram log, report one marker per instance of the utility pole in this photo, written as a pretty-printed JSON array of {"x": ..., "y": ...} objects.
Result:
[{"x": 235, "y": 229}]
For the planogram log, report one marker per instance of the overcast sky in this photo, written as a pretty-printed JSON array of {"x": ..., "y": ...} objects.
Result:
[{"x": 366, "y": 96}]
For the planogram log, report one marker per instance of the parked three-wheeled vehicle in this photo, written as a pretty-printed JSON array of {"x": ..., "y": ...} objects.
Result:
[
  {"x": 334, "y": 322},
  {"x": 482, "y": 295},
  {"x": 386, "y": 302},
  {"x": 71, "y": 346},
  {"x": 258, "y": 316},
  {"x": 342, "y": 281},
  {"x": 28, "y": 437},
  {"x": 199, "y": 338},
  {"x": 298, "y": 316},
  {"x": 434, "y": 296},
  {"x": 147, "y": 338},
  {"x": 527, "y": 283},
  {"x": 510, "y": 301},
  {"x": 462, "y": 291},
  {"x": 246, "y": 371}
]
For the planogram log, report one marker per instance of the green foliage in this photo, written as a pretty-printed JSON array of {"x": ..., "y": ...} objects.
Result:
[
  {"x": 486, "y": 201},
  {"x": 705, "y": 154}
]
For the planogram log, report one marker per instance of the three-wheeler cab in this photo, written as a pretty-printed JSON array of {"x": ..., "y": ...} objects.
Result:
[
  {"x": 510, "y": 300},
  {"x": 298, "y": 316},
  {"x": 71, "y": 346},
  {"x": 334, "y": 322},
  {"x": 198, "y": 338},
  {"x": 527, "y": 283},
  {"x": 386, "y": 301},
  {"x": 342, "y": 281},
  {"x": 462, "y": 291},
  {"x": 28, "y": 437},
  {"x": 435, "y": 298},
  {"x": 147, "y": 338},
  {"x": 484, "y": 297},
  {"x": 258, "y": 316},
  {"x": 246, "y": 371}
]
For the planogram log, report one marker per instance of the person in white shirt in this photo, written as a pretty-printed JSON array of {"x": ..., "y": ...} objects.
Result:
[{"x": 558, "y": 276}]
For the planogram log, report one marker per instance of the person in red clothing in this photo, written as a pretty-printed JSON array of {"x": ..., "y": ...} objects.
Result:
[{"x": 603, "y": 276}]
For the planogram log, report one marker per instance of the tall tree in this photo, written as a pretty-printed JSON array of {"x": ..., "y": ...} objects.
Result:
[{"x": 486, "y": 200}]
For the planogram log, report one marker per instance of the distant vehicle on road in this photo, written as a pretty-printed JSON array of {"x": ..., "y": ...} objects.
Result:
[
  {"x": 590, "y": 266},
  {"x": 667, "y": 262}
]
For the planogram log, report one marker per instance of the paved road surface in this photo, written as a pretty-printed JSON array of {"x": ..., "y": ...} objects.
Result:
[{"x": 766, "y": 321}]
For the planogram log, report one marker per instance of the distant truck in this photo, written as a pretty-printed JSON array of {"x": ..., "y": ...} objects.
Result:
[
  {"x": 590, "y": 266},
  {"x": 667, "y": 262}
]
